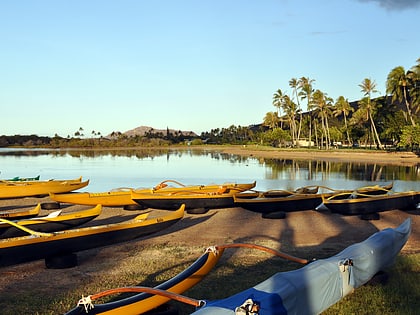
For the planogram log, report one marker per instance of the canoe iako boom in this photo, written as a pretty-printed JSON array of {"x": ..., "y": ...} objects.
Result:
[{"x": 39, "y": 245}]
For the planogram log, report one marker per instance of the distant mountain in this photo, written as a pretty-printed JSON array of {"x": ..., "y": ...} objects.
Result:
[{"x": 142, "y": 130}]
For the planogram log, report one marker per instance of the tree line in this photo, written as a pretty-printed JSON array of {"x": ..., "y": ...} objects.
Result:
[{"x": 389, "y": 120}]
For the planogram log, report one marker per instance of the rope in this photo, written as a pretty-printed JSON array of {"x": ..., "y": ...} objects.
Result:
[{"x": 86, "y": 302}]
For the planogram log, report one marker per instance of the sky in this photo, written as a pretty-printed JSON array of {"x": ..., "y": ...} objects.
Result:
[{"x": 106, "y": 66}]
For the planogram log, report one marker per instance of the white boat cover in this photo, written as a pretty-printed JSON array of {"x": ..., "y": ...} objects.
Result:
[{"x": 321, "y": 283}]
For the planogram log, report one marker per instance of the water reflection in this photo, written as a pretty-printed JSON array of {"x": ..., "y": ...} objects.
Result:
[{"x": 146, "y": 167}]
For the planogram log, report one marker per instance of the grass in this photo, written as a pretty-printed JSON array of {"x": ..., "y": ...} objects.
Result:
[{"x": 237, "y": 271}]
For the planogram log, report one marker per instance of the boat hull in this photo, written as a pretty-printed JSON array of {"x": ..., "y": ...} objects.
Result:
[
  {"x": 299, "y": 202},
  {"x": 190, "y": 202},
  {"x": 22, "y": 249}
]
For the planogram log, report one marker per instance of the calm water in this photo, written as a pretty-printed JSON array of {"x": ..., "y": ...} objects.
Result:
[{"x": 146, "y": 168}]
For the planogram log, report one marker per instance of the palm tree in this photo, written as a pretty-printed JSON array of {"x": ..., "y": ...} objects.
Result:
[
  {"x": 368, "y": 87},
  {"x": 400, "y": 84},
  {"x": 306, "y": 90},
  {"x": 277, "y": 100},
  {"x": 323, "y": 107},
  {"x": 294, "y": 84},
  {"x": 271, "y": 120},
  {"x": 342, "y": 107},
  {"x": 290, "y": 109}
]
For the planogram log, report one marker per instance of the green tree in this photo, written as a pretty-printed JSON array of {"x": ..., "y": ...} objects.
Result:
[
  {"x": 400, "y": 85},
  {"x": 323, "y": 107},
  {"x": 271, "y": 120},
  {"x": 305, "y": 92},
  {"x": 278, "y": 100},
  {"x": 342, "y": 107},
  {"x": 294, "y": 84},
  {"x": 368, "y": 87}
]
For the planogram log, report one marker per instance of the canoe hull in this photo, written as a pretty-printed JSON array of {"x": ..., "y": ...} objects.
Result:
[
  {"x": 300, "y": 202},
  {"x": 173, "y": 203}
]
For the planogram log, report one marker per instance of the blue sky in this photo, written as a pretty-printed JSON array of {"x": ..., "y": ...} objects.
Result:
[{"x": 188, "y": 65}]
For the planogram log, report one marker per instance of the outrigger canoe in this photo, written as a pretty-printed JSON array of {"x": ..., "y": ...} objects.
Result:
[
  {"x": 360, "y": 204},
  {"x": 20, "y": 214},
  {"x": 122, "y": 196},
  {"x": 309, "y": 290},
  {"x": 276, "y": 207},
  {"x": 22, "y": 179},
  {"x": 54, "y": 221},
  {"x": 18, "y": 189},
  {"x": 39, "y": 245},
  {"x": 146, "y": 299}
]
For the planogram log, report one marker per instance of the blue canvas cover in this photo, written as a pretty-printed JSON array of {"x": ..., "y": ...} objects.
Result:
[{"x": 322, "y": 283}]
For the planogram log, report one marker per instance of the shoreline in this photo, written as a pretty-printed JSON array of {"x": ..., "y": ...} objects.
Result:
[{"x": 336, "y": 155}]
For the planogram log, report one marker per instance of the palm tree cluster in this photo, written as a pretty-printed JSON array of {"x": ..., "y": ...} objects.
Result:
[{"x": 391, "y": 119}]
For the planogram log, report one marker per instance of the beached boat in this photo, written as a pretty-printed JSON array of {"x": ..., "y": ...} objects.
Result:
[
  {"x": 54, "y": 221},
  {"x": 276, "y": 207},
  {"x": 114, "y": 198},
  {"x": 208, "y": 197},
  {"x": 17, "y": 189},
  {"x": 21, "y": 179},
  {"x": 265, "y": 205},
  {"x": 121, "y": 197},
  {"x": 146, "y": 299},
  {"x": 359, "y": 204},
  {"x": 21, "y": 213},
  {"x": 309, "y": 290},
  {"x": 39, "y": 245},
  {"x": 315, "y": 287}
]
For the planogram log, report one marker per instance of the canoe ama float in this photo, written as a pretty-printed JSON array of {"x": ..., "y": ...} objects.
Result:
[{"x": 54, "y": 221}]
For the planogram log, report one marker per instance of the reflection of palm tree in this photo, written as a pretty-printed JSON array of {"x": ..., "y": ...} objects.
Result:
[
  {"x": 342, "y": 107},
  {"x": 367, "y": 106},
  {"x": 400, "y": 85}
]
